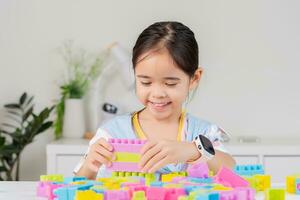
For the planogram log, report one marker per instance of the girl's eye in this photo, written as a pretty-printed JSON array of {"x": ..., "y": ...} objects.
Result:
[
  {"x": 146, "y": 83},
  {"x": 171, "y": 84}
]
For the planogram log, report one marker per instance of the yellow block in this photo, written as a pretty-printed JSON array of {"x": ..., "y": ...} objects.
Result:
[
  {"x": 263, "y": 181},
  {"x": 221, "y": 188},
  {"x": 127, "y": 157},
  {"x": 88, "y": 194},
  {"x": 169, "y": 177},
  {"x": 291, "y": 184}
]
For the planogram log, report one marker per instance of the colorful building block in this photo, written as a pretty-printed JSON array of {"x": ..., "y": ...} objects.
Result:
[
  {"x": 74, "y": 179},
  {"x": 88, "y": 194},
  {"x": 52, "y": 178},
  {"x": 291, "y": 183},
  {"x": 263, "y": 182},
  {"x": 248, "y": 170},
  {"x": 228, "y": 178},
  {"x": 117, "y": 194},
  {"x": 170, "y": 176},
  {"x": 139, "y": 195},
  {"x": 155, "y": 193},
  {"x": 198, "y": 170},
  {"x": 297, "y": 185},
  {"x": 127, "y": 154},
  {"x": 45, "y": 189},
  {"x": 275, "y": 194}
]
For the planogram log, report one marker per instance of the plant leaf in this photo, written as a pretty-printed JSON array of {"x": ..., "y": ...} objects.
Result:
[
  {"x": 29, "y": 101},
  {"x": 2, "y": 141},
  {"x": 44, "y": 127},
  {"x": 12, "y": 105},
  {"x": 23, "y": 98},
  {"x": 9, "y": 125},
  {"x": 28, "y": 113}
]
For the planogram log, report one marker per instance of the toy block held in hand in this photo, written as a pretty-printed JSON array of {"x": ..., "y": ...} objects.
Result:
[{"x": 127, "y": 152}]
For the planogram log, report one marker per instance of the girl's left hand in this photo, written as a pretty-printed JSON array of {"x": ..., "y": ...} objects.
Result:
[{"x": 155, "y": 155}]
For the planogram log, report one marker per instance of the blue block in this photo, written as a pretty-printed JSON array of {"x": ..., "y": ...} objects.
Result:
[
  {"x": 201, "y": 180},
  {"x": 156, "y": 184},
  {"x": 73, "y": 179},
  {"x": 209, "y": 196},
  {"x": 297, "y": 185},
  {"x": 248, "y": 170}
]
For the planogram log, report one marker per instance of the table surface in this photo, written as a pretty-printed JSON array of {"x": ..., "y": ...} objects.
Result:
[{"x": 25, "y": 190}]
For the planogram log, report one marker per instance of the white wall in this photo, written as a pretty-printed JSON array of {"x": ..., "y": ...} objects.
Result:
[{"x": 249, "y": 49}]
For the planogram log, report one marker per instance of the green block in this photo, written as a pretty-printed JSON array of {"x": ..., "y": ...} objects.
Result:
[{"x": 275, "y": 194}]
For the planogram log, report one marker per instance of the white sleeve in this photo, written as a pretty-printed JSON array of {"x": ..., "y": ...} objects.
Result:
[{"x": 101, "y": 133}]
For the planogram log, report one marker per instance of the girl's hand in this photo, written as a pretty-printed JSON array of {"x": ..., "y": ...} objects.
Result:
[
  {"x": 99, "y": 153},
  {"x": 155, "y": 155}
]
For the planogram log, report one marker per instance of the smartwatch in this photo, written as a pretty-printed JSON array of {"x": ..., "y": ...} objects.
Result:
[{"x": 205, "y": 147}]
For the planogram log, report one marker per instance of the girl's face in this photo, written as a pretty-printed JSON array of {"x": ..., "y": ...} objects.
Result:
[{"x": 161, "y": 86}]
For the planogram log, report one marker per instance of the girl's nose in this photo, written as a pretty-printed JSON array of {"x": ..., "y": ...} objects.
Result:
[{"x": 158, "y": 92}]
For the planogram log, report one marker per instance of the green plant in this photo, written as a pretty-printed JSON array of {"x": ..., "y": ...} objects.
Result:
[
  {"x": 82, "y": 69},
  {"x": 22, "y": 126}
]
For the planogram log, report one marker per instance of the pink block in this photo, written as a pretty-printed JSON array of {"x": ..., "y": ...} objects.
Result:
[
  {"x": 137, "y": 188},
  {"x": 156, "y": 193},
  {"x": 116, "y": 194},
  {"x": 124, "y": 167},
  {"x": 127, "y": 145},
  {"x": 198, "y": 170},
  {"x": 45, "y": 189},
  {"x": 228, "y": 178},
  {"x": 250, "y": 192},
  {"x": 41, "y": 189},
  {"x": 238, "y": 193},
  {"x": 174, "y": 193}
]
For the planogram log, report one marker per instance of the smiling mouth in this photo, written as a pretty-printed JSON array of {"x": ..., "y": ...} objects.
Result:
[{"x": 160, "y": 104}]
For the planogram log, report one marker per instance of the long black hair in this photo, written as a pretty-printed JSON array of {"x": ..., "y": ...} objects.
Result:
[{"x": 177, "y": 38}]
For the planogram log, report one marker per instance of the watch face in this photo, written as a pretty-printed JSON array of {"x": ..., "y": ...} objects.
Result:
[{"x": 207, "y": 145}]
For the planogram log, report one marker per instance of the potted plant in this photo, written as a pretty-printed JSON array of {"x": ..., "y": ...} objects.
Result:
[
  {"x": 82, "y": 69},
  {"x": 20, "y": 130}
]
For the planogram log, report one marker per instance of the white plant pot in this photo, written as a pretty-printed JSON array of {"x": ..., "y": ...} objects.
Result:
[{"x": 74, "y": 120}]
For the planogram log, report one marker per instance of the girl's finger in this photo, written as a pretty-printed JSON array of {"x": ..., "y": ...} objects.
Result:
[
  {"x": 101, "y": 159},
  {"x": 147, "y": 146},
  {"x": 104, "y": 152},
  {"x": 155, "y": 159},
  {"x": 148, "y": 155},
  {"x": 105, "y": 144},
  {"x": 159, "y": 165}
]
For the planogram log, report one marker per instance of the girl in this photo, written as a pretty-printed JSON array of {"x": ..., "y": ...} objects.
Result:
[{"x": 165, "y": 62}]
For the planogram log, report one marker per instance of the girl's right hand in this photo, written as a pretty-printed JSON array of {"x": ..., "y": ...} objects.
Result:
[{"x": 101, "y": 152}]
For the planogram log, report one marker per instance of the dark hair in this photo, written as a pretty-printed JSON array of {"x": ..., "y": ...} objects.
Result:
[{"x": 177, "y": 38}]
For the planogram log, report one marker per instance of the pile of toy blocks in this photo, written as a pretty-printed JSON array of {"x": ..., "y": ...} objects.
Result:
[
  {"x": 293, "y": 184},
  {"x": 127, "y": 183}
]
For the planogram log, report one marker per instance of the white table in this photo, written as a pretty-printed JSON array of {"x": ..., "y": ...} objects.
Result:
[{"x": 26, "y": 190}]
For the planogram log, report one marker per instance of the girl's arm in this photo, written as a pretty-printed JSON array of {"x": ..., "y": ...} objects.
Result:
[
  {"x": 220, "y": 159},
  {"x": 87, "y": 172},
  {"x": 99, "y": 153}
]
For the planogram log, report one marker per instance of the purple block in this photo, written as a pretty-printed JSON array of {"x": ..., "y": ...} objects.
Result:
[
  {"x": 124, "y": 167},
  {"x": 198, "y": 170},
  {"x": 127, "y": 145},
  {"x": 116, "y": 194}
]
